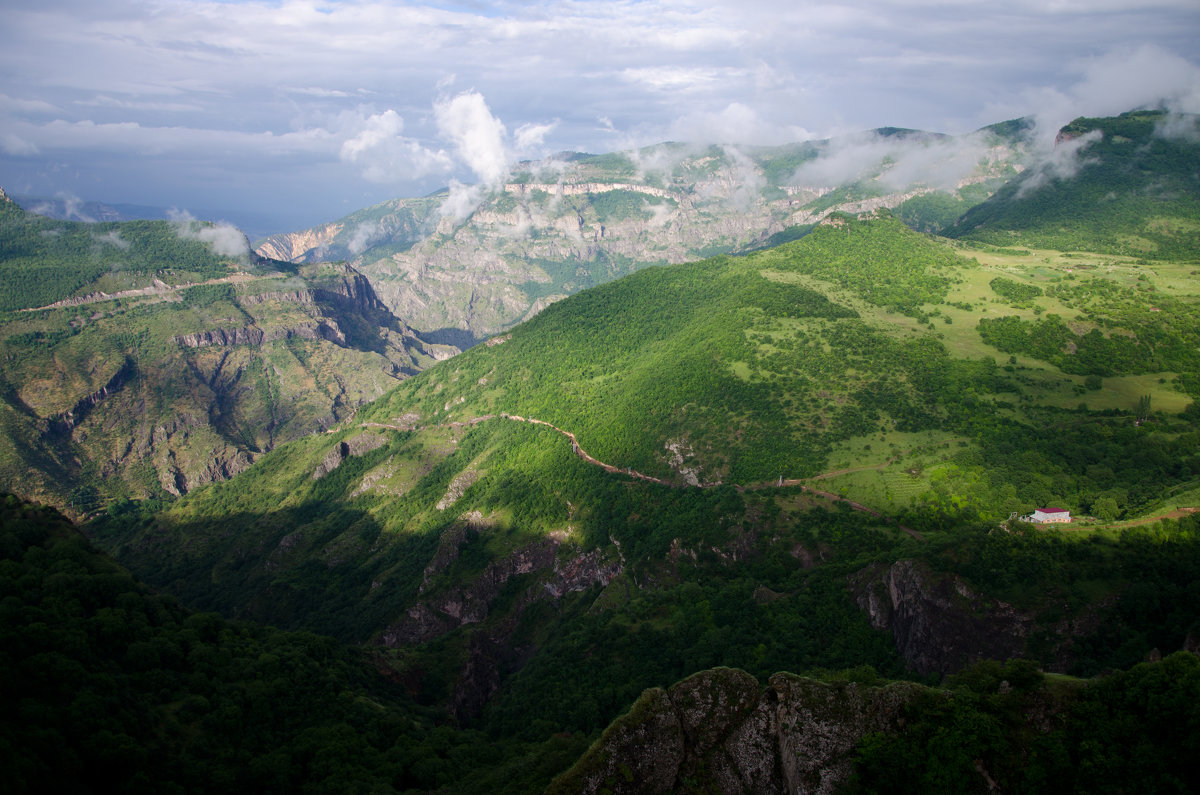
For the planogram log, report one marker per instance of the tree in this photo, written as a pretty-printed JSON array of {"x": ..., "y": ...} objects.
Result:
[
  {"x": 1105, "y": 509},
  {"x": 1143, "y": 407}
]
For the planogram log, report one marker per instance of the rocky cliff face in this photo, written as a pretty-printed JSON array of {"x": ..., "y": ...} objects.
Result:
[
  {"x": 299, "y": 246},
  {"x": 551, "y": 571},
  {"x": 244, "y": 368},
  {"x": 941, "y": 624},
  {"x": 716, "y": 731},
  {"x": 448, "y": 608}
]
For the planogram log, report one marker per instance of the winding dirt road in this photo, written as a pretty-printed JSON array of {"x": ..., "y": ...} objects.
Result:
[{"x": 633, "y": 473}]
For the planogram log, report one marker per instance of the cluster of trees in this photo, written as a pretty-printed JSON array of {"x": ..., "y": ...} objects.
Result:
[
  {"x": 1016, "y": 292},
  {"x": 1133, "y": 731},
  {"x": 878, "y": 260},
  {"x": 205, "y": 295},
  {"x": 1050, "y": 339}
]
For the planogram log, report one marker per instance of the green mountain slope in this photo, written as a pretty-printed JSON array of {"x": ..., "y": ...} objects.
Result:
[
  {"x": 592, "y": 503},
  {"x": 136, "y": 362},
  {"x": 1124, "y": 185},
  {"x": 735, "y": 370}
]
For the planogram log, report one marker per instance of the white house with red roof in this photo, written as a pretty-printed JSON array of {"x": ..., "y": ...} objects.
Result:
[{"x": 1048, "y": 516}]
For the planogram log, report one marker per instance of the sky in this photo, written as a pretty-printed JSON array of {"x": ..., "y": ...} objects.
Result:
[{"x": 297, "y": 112}]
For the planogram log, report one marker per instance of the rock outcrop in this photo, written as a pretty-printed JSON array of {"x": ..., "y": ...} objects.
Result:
[
  {"x": 940, "y": 624},
  {"x": 469, "y": 603},
  {"x": 358, "y": 445},
  {"x": 66, "y": 422},
  {"x": 716, "y": 732},
  {"x": 325, "y": 329}
]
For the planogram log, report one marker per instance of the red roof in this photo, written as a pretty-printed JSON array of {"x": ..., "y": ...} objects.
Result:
[{"x": 1053, "y": 510}]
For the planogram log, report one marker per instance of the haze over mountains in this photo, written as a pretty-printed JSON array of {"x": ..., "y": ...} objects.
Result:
[{"x": 765, "y": 409}]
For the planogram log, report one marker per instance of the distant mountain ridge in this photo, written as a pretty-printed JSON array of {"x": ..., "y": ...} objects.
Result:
[
  {"x": 255, "y": 224},
  {"x": 560, "y": 225}
]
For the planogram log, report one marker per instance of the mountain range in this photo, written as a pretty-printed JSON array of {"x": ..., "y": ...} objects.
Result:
[
  {"x": 469, "y": 266},
  {"x": 687, "y": 469}
]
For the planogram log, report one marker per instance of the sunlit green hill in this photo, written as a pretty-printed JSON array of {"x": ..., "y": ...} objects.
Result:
[{"x": 687, "y": 407}]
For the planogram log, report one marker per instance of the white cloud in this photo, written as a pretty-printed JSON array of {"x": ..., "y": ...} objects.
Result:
[
  {"x": 748, "y": 181},
  {"x": 315, "y": 91},
  {"x": 73, "y": 208},
  {"x": 478, "y": 136},
  {"x": 481, "y": 141},
  {"x": 113, "y": 238},
  {"x": 387, "y": 156},
  {"x": 1062, "y": 162},
  {"x": 462, "y": 201},
  {"x": 16, "y": 105},
  {"x": 901, "y": 162},
  {"x": 224, "y": 240},
  {"x": 364, "y": 235},
  {"x": 377, "y": 130},
  {"x": 17, "y": 146},
  {"x": 736, "y": 123},
  {"x": 531, "y": 137},
  {"x": 845, "y": 160},
  {"x": 1180, "y": 126},
  {"x": 1124, "y": 78}
]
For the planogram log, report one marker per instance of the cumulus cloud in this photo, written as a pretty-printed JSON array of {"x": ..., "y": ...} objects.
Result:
[
  {"x": 531, "y": 137},
  {"x": 482, "y": 142},
  {"x": 478, "y": 136},
  {"x": 224, "y": 239},
  {"x": 387, "y": 156}
]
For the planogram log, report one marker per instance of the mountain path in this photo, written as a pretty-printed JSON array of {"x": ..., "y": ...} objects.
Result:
[
  {"x": 630, "y": 472},
  {"x": 159, "y": 289}
]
